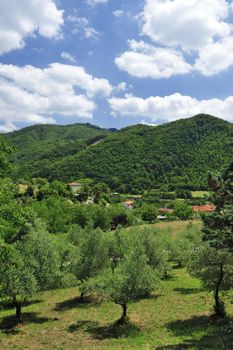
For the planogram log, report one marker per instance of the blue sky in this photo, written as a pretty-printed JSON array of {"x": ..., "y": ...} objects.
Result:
[{"x": 114, "y": 63}]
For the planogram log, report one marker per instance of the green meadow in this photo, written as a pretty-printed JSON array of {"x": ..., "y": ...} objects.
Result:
[{"x": 178, "y": 315}]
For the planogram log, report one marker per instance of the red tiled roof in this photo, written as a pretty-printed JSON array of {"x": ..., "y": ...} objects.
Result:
[{"x": 207, "y": 208}]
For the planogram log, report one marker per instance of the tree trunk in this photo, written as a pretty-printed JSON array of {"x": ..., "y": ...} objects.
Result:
[
  {"x": 124, "y": 313},
  {"x": 18, "y": 307},
  {"x": 219, "y": 306},
  {"x": 82, "y": 293}
]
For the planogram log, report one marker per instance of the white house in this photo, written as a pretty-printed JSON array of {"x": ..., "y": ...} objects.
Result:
[
  {"x": 128, "y": 205},
  {"x": 75, "y": 186}
]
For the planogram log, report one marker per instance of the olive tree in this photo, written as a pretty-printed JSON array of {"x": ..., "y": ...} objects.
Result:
[
  {"x": 90, "y": 256},
  {"x": 155, "y": 250},
  {"x": 41, "y": 250},
  {"x": 213, "y": 261},
  {"x": 17, "y": 279},
  {"x": 132, "y": 279},
  {"x": 215, "y": 269}
]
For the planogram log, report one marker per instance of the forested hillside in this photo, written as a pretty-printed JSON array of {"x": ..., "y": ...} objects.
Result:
[
  {"x": 39, "y": 145},
  {"x": 178, "y": 154}
]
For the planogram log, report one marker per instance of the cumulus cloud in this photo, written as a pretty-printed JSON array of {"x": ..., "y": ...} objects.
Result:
[
  {"x": 67, "y": 56},
  {"x": 169, "y": 108},
  {"x": 187, "y": 35},
  {"x": 147, "y": 61},
  {"x": 36, "y": 95},
  {"x": 215, "y": 57},
  {"x": 20, "y": 19},
  {"x": 189, "y": 24}
]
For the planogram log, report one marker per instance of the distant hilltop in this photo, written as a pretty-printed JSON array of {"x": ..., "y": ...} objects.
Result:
[{"x": 175, "y": 155}]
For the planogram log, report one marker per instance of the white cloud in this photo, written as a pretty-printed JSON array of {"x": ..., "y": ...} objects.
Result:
[
  {"x": 81, "y": 21},
  {"x": 35, "y": 95},
  {"x": 96, "y": 2},
  {"x": 147, "y": 61},
  {"x": 197, "y": 31},
  {"x": 145, "y": 122},
  {"x": 121, "y": 86},
  {"x": 20, "y": 19},
  {"x": 216, "y": 57},
  {"x": 170, "y": 108},
  {"x": 82, "y": 26},
  {"x": 68, "y": 56},
  {"x": 57, "y": 79},
  {"x": 7, "y": 127},
  {"x": 91, "y": 33},
  {"x": 188, "y": 24},
  {"x": 118, "y": 13}
]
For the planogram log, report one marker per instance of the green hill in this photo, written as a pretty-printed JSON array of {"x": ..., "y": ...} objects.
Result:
[
  {"x": 38, "y": 145},
  {"x": 179, "y": 154}
]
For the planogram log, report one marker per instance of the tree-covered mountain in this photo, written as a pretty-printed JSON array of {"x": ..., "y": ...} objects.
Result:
[
  {"x": 179, "y": 154},
  {"x": 38, "y": 145}
]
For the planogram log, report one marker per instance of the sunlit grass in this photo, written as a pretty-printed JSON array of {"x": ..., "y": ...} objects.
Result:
[
  {"x": 176, "y": 317},
  {"x": 200, "y": 194},
  {"x": 173, "y": 227}
]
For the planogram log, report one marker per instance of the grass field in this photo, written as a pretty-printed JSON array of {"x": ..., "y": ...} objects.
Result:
[
  {"x": 200, "y": 194},
  {"x": 176, "y": 317},
  {"x": 173, "y": 227}
]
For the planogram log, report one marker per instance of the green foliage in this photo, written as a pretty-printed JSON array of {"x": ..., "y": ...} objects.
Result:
[
  {"x": 176, "y": 155},
  {"x": 215, "y": 269},
  {"x": 15, "y": 217},
  {"x": 39, "y": 247},
  {"x": 18, "y": 281},
  {"x": 155, "y": 249},
  {"x": 218, "y": 226},
  {"x": 90, "y": 257},
  {"x": 55, "y": 212},
  {"x": 39, "y": 145},
  {"x": 101, "y": 218},
  {"x": 181, "y": 193},
  {"x": 5, "y": 152},
  {"x": 182, "y": 210},
  {"x": 17, "y": 278},
  {"x": 148, "y": 213},
  {"x": 132, "y": 279}
]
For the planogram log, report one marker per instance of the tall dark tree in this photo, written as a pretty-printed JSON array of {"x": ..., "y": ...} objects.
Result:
[
  {"x": 5, "y": 151},
  {"x": 215, "y": 269},
  {"x": 218, "y": 227}
]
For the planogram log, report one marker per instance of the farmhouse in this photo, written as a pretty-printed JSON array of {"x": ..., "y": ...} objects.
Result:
[
  {"x": 128, "y": 205},
  {"x": 166, "y": 210},
  {"x": 75, "y": 186},
  {"x": 163, "y": 212},
  {"x": 207, "y": 208}
]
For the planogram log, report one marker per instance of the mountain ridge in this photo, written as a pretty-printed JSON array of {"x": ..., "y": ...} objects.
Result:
[{"x": 134, "y": 158}]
